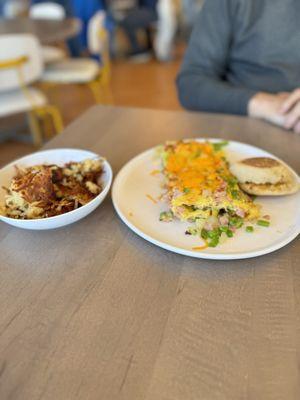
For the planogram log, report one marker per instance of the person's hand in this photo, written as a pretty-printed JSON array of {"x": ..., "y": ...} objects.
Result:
[
  {"x": 268, "y": 107},
  {"x": 290, "y": 110}
]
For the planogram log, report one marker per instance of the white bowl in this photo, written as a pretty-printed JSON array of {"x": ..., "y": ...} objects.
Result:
[{"x": 59, "y": 157}]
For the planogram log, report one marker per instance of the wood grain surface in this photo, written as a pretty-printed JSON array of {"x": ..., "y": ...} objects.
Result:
[
  {"x": 94, "y": 312},
  {"x": 47, "y": 31}
]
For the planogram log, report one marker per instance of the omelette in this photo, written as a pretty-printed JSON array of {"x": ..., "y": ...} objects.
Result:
[{"x": 201, "y": 189}]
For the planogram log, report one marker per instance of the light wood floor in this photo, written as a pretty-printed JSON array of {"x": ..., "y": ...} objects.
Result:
[{"x": 150, "y": 85}]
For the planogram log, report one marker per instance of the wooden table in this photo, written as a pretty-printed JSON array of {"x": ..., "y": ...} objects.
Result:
[
  {"x": 93, "y": 311},
  {"x": 48, "y": 31}
]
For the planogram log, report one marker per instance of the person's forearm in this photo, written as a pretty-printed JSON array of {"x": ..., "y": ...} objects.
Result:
[{"x": 204, "y": 93}]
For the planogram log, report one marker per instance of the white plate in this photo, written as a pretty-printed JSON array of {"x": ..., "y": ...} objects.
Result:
[
  {"x": 59, "y": 157},
  {"x": 134, "y": 182}
]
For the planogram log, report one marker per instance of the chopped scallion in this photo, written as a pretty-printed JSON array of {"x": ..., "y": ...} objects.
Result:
[
  {"x": 166, "y": 216},
  {"x": 204, "y": 234},
  {"x": 229, "y": 233},
  {"x": 262, "y": 222},
  {"x": 219, "y": 145}
]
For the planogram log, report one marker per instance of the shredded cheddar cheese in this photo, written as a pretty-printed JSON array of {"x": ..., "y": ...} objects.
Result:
[
  {"x": 200, "y": 248},
  {"x": 195, "y": 166},
  {"x": 155, "y": 172},
  {"x": 151, "y": 198}
]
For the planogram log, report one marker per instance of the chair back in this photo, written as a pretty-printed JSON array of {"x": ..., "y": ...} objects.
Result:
[
  {"x": 20, "y": 61},
  {"x": 15, "y": 8},
  {"x": 98, "y": 42},
  {"x": 166, "y": 29},
  {"x": 47, "y": 10}
]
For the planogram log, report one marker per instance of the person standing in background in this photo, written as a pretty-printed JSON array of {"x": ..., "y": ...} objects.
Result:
[
  {"x": 244, "y": 58},
  {"x": 75, "y": 43},
  {"x": 84, "y": 10},
  {"x": 133, "y": 16}
]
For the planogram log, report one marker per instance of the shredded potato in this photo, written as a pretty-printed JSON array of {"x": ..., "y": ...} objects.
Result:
[{"x": 43, "y": 191}]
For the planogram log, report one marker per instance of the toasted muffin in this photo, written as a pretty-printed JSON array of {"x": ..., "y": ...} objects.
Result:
[{"x": 263, "y": 176}]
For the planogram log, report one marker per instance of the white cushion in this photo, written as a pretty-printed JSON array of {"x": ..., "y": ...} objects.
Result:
[
  {"x": 16, "y": 101},
  {"x": 52, "y": 54},
  {"x": 47, "y": 10},
  {"x": 81, "y": 70},
  {"x": 14, "y": 46},
  {"x": 95, "y": 43}
]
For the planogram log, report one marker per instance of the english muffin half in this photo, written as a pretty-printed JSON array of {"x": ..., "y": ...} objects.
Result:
[{"x": 263, "y": 176}]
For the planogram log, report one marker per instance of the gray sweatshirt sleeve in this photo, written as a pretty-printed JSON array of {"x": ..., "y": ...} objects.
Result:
[{"x": 201, "y": 84}]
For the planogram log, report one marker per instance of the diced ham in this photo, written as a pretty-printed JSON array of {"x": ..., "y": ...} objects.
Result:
[
  {"x": 224, "y": 220},
  {"x": 176, "y": 193},
  {"x": 240, "y": 213}
]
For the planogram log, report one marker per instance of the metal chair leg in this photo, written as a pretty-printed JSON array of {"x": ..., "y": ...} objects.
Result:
[
  {"x": 96, "y": 91},
  {"x": 102, "y": 93},
  {"x": 56, "y": 117},
  {"x": 34, "y": 118},
  {"x": 35, "y": 129}
]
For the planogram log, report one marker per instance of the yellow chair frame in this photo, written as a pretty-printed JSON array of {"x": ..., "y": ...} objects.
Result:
[
  {"x": 36, "y": 113},
  {"x": 102, "y": 82},
  {"x": 104, "y": 78}
]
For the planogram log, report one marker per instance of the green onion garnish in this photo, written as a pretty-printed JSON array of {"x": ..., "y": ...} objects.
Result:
[
  {"x": 249, "y": 229},
  {"x": 235, "y": 194},
  {"x": 213, "y": 234},
  {"x": 204, "y": 234},
  {"x": 197, "y": 154},
  {"x": 166, "y": 216},
  {"x": 219, "y": 145},
  {"x": 213, "y": 242},
  {"x": 236, "y": 222},
  {"x": 224, "y": 228},
  {"x": 229, "y": 233},
  {"x": 232, "y": 181},
  {"x": 262, "y": 222}
]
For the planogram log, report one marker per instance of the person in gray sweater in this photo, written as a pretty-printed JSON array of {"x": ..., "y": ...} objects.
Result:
[{"x": 244, "y": 58}]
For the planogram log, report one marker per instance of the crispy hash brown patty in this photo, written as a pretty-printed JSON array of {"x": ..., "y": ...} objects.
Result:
[{"x": 43, "y": 191}]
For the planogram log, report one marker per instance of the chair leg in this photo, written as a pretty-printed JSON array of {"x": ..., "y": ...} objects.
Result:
[
  {"x": 96, "y": 91},
  {"x": 34, "y": 118},
  {"x": 46, "y": 88},
  {"x": 108, "y": 94},
  {"x": 101, "y": 93},
  {"x": 56, "y": 117},
  {"x": 35, "y": 129}
]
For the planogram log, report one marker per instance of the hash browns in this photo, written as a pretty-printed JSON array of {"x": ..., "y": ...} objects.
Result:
[{"x": 43, "y": 191}]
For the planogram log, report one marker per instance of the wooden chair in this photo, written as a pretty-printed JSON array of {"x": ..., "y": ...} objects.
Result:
[
  {"x": 51, "y": 11},
  {"x": 20, "y": 65},
  {"x": 85, "y": 71}
]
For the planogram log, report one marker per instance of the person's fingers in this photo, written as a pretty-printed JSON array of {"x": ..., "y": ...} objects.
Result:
[
  {"x": 276, "y": 119},
  {"x": 292, "y": 117},
  {"x": 290, "y": 101},
  {"x": 284, "y": 95},
  {"x": 297, "y": 127}
]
